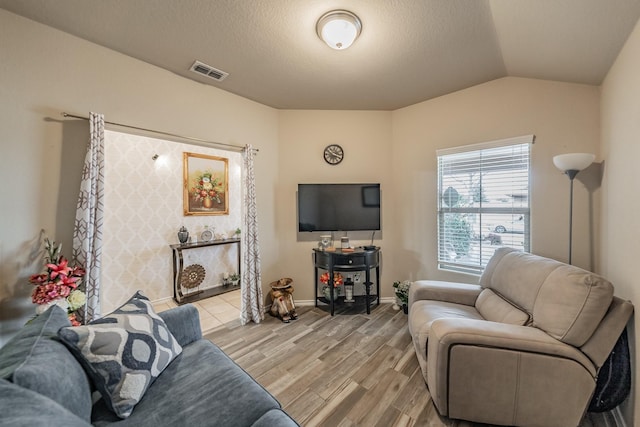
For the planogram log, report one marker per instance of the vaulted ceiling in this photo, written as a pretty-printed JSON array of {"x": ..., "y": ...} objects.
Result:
[{"x": 409, "y": 50}]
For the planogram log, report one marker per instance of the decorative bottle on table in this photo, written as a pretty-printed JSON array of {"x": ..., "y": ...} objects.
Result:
[{"x": 183, "y": 235}]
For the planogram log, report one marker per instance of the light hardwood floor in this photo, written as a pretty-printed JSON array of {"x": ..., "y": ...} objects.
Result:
[{"x": 346, "y": 370}]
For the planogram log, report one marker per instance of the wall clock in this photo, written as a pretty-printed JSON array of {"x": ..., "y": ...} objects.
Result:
[{"x": 333, "y": 154}]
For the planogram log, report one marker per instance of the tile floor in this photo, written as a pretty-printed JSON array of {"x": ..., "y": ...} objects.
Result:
[{"x": 214, "y": 311}]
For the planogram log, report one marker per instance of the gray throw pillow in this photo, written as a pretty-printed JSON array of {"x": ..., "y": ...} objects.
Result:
[{"x": 123, "y": 352}]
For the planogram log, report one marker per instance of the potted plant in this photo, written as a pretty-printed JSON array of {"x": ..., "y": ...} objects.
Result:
[
  {"x": 402, "y": 293},
  {"x": 58, "y": 284},
  {"x": 234, "y": 278},
  {"x": 337, "y": 281}
]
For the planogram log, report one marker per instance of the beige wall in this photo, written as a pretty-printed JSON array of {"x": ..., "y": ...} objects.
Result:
[
  {"x": 564, "y": 117},
  {"x": 398, "y": 149},
  {"x": 44, "y": 72},
  {"x": 621, "y": 199},
  {"x": 365, "y": 137}
]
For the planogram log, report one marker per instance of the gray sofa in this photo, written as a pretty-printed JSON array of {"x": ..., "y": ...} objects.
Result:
[
  {"x": 42, "y": 383},
  {"x": 523, "y": 347}
]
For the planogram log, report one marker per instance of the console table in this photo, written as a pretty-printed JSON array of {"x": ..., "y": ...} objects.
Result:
[
  {"x": 351, "y": 261},
  {"x": 178, "y": 270}
]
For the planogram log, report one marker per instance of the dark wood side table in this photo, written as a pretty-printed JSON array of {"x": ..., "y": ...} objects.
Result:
[
  {"x": 351, "y": 261},
  {"x": 178, "y": 269}
]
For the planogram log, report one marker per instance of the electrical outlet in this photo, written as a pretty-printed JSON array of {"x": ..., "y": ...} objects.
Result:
[{"x": 356, "y": 278}]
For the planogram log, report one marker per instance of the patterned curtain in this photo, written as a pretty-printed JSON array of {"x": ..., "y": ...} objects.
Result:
[
  {"x": 87, "y": 234},
  {"x": 251, "y": 289}
]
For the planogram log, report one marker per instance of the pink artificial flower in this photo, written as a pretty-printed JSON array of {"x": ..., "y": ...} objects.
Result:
[
  {"x": 64, "y": 291},
  {"x": 40, "y": 294},
  {"x": 78, "y": 272},
  {"x": 52, "y": 291},
  {"x": 38, "y": 279},
  {"x": 61, "y": 268},
  {"x": 69, "y": 281},
  {"x": 74, "y": 321}
]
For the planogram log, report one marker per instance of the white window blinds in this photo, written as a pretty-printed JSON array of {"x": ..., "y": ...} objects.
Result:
[{"x": 483, "y": 202}]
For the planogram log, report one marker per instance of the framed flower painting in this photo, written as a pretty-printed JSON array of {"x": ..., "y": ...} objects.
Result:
[{"x": 206, "y": 185}]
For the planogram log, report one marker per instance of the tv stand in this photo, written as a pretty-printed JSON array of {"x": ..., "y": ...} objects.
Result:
[{"x": 348, "y": 261}]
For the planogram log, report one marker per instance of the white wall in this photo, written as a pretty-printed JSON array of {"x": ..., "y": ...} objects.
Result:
[
  {"x": 44, "y": 72},
  {"x": 621, "y": 200}
]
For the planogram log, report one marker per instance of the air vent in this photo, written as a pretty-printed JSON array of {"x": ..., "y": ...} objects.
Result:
[{"x": 208, "y": 71}]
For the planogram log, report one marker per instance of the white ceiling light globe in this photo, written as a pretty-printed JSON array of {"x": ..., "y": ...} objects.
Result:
[{"x": 339, "y": 29}]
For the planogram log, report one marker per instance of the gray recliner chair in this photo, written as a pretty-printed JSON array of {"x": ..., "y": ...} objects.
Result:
[{"x": 523, "y": 347}]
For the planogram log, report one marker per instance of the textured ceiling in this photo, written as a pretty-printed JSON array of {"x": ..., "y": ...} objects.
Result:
[{"x": 409, "y": 50}]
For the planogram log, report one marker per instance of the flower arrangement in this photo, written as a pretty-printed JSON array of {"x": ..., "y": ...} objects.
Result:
[
  {"x": 337, "y": 279},
  {"x": 402, "y": 290},
  {"x": 205, "y": 187},
  {"x": 58, "y": 284}
]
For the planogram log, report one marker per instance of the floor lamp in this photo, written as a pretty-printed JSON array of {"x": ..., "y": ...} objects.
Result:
[{"x": 571, "y": 164}]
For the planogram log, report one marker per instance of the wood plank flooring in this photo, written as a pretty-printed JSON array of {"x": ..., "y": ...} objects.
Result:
[{"x": 346, "y": 370}]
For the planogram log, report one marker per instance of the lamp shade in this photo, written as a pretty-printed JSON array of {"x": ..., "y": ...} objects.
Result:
[
  {"x": 573, "y": 161},
  {"x": 338, "y": 28}
]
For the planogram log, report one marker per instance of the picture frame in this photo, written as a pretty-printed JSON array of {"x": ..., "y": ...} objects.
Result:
[{"x": 206, "y": 184}]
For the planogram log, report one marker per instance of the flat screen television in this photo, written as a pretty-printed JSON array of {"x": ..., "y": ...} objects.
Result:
[{"x": 338, "y": 207}]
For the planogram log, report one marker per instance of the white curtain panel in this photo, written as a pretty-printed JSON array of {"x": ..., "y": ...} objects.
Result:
[
  {"x": 251, "y": 290},
  {"x": 87, "y": 234}
]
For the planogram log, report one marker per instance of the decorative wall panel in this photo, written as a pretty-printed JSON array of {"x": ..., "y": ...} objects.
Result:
[{"x": 143, "y": 213}]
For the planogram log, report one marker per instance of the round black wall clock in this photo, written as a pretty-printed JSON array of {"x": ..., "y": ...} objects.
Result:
[{"x": 333, "y": 154}]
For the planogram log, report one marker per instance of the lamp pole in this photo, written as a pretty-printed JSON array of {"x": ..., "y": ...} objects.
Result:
[
  {"x": 571, "y": 164},
  {"x": 571, "y": 174}
]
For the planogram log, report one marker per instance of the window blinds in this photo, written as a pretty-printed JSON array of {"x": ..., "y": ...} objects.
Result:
[{"x": 483, "y": 202}]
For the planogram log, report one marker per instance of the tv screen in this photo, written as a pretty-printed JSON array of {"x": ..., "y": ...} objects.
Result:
[{"x": 338, "y": 207}]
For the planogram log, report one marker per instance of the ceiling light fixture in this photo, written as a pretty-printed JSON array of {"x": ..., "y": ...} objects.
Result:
[{"x": 339, "y": 28}]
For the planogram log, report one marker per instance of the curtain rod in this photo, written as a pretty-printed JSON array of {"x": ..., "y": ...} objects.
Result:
[{"x": 190, "y": 138}]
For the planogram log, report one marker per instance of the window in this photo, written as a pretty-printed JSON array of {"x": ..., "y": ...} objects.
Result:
[{"x": 483, "y": 202}]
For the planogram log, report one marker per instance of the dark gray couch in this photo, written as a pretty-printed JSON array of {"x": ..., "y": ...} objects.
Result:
[{"x": 41, "y": 383}]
